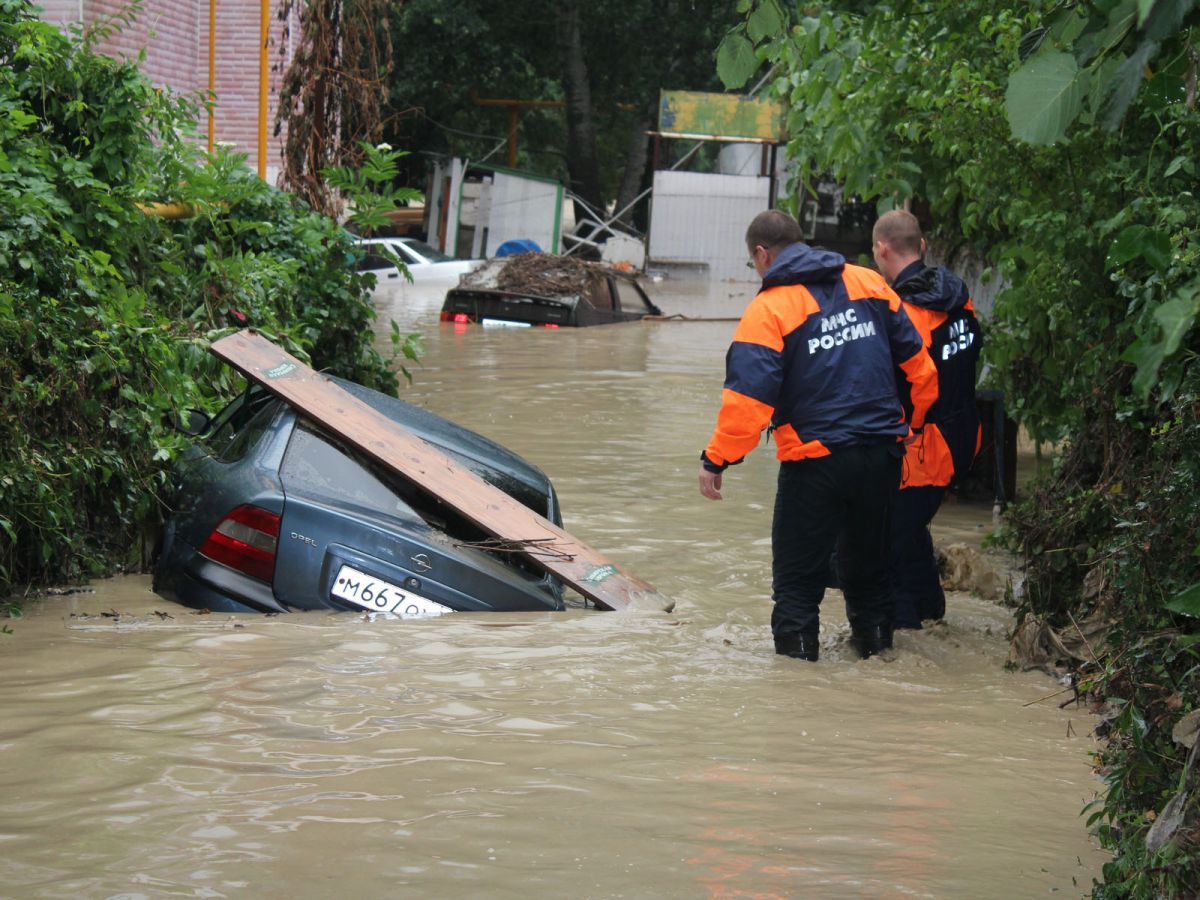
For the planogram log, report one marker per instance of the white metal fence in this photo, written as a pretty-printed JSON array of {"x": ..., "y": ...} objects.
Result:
[{"x": 702, "y": 218}]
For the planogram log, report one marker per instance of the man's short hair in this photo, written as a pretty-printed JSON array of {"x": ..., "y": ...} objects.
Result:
[
  {"x": 900, "y": 230},
  {"x": 773, "y": 229}
]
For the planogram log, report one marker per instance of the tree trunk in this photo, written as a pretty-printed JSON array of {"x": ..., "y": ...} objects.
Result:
[
  {"x": 582, "y": 162},
  {"x": 637, "y": 156}
]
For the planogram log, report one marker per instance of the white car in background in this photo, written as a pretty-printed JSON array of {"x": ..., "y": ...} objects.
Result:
[{"x": 424, "y": 262}]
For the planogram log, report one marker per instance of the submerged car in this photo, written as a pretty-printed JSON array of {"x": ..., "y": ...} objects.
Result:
[
  {"x": 270, "y": 514},
  {"x": 530, "y": 289},
  {"x": 424, "y": 263}
]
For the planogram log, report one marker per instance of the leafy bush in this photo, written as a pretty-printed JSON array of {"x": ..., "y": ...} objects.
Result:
[
  {"x": 1112, "y": 535},
  {"x": 106, "y": 312}
]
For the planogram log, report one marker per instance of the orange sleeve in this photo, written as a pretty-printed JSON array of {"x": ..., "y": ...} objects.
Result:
[
  {"x": 740, "y": 424},
  {"x": 753, "y": 376},
  {"x": 922, "y": 375}
]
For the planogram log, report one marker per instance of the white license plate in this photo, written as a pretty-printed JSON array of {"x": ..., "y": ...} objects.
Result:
[
  {"x": 503, "y": 323},
  {"x": 378, "y": 595}
]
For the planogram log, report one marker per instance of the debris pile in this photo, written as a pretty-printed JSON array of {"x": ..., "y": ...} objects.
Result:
[
  {"x": 964, "y": 568},
  {"x": 1036, "y": 645},
  {"x": 540, "y": 274}
]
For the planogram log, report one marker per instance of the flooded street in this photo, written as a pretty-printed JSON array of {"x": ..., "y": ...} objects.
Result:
[{"x": 578, "y": 754}]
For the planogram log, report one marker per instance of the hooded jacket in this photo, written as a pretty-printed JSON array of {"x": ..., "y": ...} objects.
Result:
[
  {"x": 940, "y": 307},
  {"x": 815, "y": 356}
]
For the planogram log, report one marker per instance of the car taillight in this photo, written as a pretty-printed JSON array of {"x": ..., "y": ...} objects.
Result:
[
  {"x": 460, "y": 318},
  {"x": 245, "y": 540},
  {"x": 550, "y": 325}
]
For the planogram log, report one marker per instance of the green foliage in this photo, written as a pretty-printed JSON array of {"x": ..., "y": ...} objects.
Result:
[
  {"x": 641, "y": 47},
  {"x": 901, "y": 105},
  {"x": 373, "y": 186},
  {"x": 106, "y": 312},
  {"x": 1112, "y": 536},
  {"x": 1087, "y": 63},
  {"x": 374, "y": 192}
]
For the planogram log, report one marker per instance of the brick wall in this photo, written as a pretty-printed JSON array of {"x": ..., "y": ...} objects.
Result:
[{"x": 174, "y": 35}]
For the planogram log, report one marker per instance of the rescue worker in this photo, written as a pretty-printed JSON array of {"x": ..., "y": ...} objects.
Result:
[
  {"x": 940, "y": 307},
  {"x": 814, "y": 357}
]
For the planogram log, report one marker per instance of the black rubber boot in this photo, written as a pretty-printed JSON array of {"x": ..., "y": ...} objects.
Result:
[
  {"x": 872, "y": 640},
  {"x": 798, "y": 646}
]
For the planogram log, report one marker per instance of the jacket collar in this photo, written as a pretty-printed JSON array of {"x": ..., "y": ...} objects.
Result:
[{"x": 800, "y": 263}]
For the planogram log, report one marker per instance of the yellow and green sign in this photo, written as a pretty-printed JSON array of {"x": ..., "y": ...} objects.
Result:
[{"x": 720, "y": 117}]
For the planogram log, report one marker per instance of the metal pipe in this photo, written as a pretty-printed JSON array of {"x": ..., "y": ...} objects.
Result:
[
  {"x": 167, "y": 210},
  {"x": 512, "y": 137},
  {"x": 212, "y": 73},
  {"x": 263, "y": 33}
]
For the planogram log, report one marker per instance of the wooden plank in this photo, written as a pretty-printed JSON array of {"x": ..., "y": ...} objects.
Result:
[{"x": 341, "y": 413}]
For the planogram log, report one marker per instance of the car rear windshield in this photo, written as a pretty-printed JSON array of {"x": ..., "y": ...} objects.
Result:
[
  {"x": 320, "y": 467},
  {"x": 317, "y": 466}
]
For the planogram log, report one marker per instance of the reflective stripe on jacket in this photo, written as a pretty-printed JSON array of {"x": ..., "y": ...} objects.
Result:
[
  {"x": 938, "y": 303},
  {"x": 814, "y": 356}
]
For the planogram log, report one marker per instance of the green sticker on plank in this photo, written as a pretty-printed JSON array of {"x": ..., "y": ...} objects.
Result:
[
  {"x": 280, "y": 370},
  {"x": 599, "y": 573}
]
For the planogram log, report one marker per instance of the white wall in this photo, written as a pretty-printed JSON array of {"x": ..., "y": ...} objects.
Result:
[
  {"x": 698, "y": 217},
  {"x": 523, "y": 208}
]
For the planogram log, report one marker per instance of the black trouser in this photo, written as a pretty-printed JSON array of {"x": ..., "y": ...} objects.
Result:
[
  {"x": 841, "y": 500},
  {"x": 915, "y": 580}
]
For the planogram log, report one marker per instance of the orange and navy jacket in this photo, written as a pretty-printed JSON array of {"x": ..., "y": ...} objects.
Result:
[
  {"x": 814, "y": 356},
  {"x": 938, "y": 303}
]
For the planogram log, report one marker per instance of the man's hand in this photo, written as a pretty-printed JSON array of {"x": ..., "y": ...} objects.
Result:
[{"x": 710, "y": 484}]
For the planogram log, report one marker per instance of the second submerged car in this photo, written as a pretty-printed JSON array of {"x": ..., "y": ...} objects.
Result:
[{"x": 536, "y": 289}]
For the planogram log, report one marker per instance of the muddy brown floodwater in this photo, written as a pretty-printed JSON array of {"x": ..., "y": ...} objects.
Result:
[{"x": 583, "y": 754}]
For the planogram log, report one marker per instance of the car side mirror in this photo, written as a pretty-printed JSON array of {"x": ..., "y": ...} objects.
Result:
[{"x": 192, "y": 422}]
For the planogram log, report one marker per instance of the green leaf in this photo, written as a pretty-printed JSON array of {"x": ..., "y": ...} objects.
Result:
[
  {"x": 1125, "y": 84},
  {"x": 1143, "y": 10},
  {"x": 1186, "y": 602},
  {"x": 1044, "y": 97},
  {"x": 1068, "y": 24},
  {"x": 1175, "y": 317},
  {"x": 765, "y": 22},
  {"x": 1140, "y": 240},
  {"x": 1102, "y": 81},
  {"x": 1121, "y": 20},
  {"x": 1163, "y": 19},
  {"x": 736, "y": 61},
  {"x": 1148, "y": 357}
]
